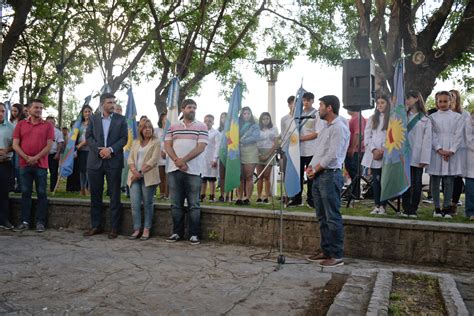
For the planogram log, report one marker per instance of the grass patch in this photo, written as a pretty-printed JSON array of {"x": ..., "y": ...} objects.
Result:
[{"x": 415, "y": 294}]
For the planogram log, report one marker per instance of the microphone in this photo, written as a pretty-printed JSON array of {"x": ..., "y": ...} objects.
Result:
[{"x": 304, "y": 117}]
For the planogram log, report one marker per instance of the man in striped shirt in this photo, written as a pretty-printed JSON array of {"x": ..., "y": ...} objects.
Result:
[{"x": 184, "y": 143}]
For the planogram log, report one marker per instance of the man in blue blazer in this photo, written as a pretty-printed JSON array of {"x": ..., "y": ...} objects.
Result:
[{"x": 106, "y": 136}]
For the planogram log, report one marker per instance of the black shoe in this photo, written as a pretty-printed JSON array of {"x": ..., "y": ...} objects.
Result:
[
  {"x": 239, "y": 202},
  {"x": 221, "y": 199},
  {"x": 7, "y": 225},
  {"x": 438, "y": 213},
  {"x": 246, "y": 202},
  {"x": 173, "y": 238},
  {"x": 310, "y": 203},
  {"x": 23, "y": 226},
  {"x": 294, "y": 203},
  {"x": 259, "y": 201},
  {"x": 265, "y": 201}
]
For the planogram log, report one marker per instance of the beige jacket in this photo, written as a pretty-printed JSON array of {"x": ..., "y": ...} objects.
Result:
[{"x": 152, "y": 155}]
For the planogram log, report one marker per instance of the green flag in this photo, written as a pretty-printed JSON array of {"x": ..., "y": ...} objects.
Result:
[{"x": 229, "y": 152}]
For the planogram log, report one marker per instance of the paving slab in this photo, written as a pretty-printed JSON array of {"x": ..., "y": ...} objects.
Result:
[{"x": 62, "y": 272}]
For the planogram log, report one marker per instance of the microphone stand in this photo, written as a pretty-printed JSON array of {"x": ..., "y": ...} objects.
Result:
[{"x": 277, "y": 153}]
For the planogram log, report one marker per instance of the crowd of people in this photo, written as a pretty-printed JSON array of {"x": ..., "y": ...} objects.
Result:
[{"x": 182, "y": 160}]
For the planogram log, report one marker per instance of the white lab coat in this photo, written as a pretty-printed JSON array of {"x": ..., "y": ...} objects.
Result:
[
  {"x": 373, "y": 139},
  {"x": 210, "y": 154},
  {"x": 447, "y": 129},
  {"x": 468, "y": 171},
  {"x": 420, "y": 139}
]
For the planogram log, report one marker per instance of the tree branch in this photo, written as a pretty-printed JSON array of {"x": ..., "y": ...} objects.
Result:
[{"x": 427, "y": 37}]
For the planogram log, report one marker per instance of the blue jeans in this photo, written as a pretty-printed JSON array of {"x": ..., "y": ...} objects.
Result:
[
  {"x": 140, "y": 193},
  {"x": 448, "y": 184},
  {"x": 326, "y": 189},
  {"x": 469, "y": 195},
  {"x": 185, "y": 186},
  {"x": 39, "y": 176}
]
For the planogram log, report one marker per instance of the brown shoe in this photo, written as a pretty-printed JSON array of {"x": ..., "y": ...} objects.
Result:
[
  {"x": 331, "y": 263},
  {"x": 113, "y": 234},
  {"x": 92, "y": 232},
  {"x": 319, "y": 256}
]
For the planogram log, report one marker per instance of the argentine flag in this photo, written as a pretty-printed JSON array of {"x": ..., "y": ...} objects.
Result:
[{"x": 292, "y": 172}]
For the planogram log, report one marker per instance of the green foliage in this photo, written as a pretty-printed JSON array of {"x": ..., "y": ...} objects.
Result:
[
  {"x": 50, "y": 52},
  {"x": 71, "y": 109}
]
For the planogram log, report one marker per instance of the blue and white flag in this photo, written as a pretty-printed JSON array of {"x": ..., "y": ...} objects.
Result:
[
  {"x": 8, "y": 109},
  {"x": 292, "y": 172},
  {"x": 66, "y": 164},
  {"x": 172, "y": 100},
  {"x": 131, "y": 117}
]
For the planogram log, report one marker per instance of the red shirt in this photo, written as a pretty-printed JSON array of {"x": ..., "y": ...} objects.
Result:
[
  {"x": 354, "y": 129},
  {"x": 33, "y": 138}
]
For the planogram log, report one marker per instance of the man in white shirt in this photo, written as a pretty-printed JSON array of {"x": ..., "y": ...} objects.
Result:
[
  {"x": 184, "y": 143},
  {"x": 309, "y": 131},
  {"x": 325, "y": 171}
]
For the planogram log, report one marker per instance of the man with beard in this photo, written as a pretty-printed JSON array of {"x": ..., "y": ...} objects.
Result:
[
  {"x": 325, "y": 172},
  {"x": 184, "y": 142},
  {"x": 106, "y": 135}
]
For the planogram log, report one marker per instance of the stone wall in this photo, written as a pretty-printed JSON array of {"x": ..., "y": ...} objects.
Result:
[{"x": 407, "y": 241}]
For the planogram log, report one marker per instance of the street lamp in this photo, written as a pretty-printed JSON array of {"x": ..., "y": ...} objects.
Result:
[{"x": 271, "y": 72}]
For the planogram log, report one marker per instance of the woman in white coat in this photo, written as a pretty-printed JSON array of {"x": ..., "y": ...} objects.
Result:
[
  {"x": 143, "y": 177},
  {"x": 469, "y": 170},
  {"x": 374, "y": 140},
  {"x": 419, "y": 137}
]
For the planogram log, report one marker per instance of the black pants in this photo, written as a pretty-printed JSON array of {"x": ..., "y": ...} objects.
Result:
[
  {"x": 457, "y": 189},
  {"x": 412, "y": 196},
  {"x": 351, "y": 167},
  {"x": 6, "y": 171},
  {"x": 53, "y": 166},
  {"x": 96, "y": 183},
  {"x": 304, "y": 162}
]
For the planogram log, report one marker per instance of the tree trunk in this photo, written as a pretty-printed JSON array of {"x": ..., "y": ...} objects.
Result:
[{"x": 22, "y": 9}]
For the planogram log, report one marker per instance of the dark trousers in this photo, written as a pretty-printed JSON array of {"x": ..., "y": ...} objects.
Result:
[
  {"x": 6, "y": 172},
  {"x": 96, "y": 182},
  {"x": 351, "y": 167},
  {"x": 377, "y": 189},
  {"x": 412, "y": 196},
  {"x": 304, "y": 162},
  {"x": 53, "y": 165},
  {"x": 457, "y": 189}
]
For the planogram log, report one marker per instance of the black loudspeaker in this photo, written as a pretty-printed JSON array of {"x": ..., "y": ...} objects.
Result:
[{"x": 358, "y": 84}]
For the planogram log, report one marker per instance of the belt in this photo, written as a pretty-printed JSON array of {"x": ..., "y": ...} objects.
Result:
[{"x": 330, "y": 170}]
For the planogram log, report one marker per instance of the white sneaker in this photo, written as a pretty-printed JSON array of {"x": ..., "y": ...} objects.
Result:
[
  {"x": 382, "y": 210},
  {"x": 376, "y": 211},
  {"x": 194, "y": 240}
]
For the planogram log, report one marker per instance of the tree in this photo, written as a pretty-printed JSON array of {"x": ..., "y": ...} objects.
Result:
[
  {"x": 49, "y": 53},
  {"x": 118, "y": 32},
  {"x": 437, "y": 40},
  {"x": 21, "y": 10},
  {"x": 192, "y": 42}
]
